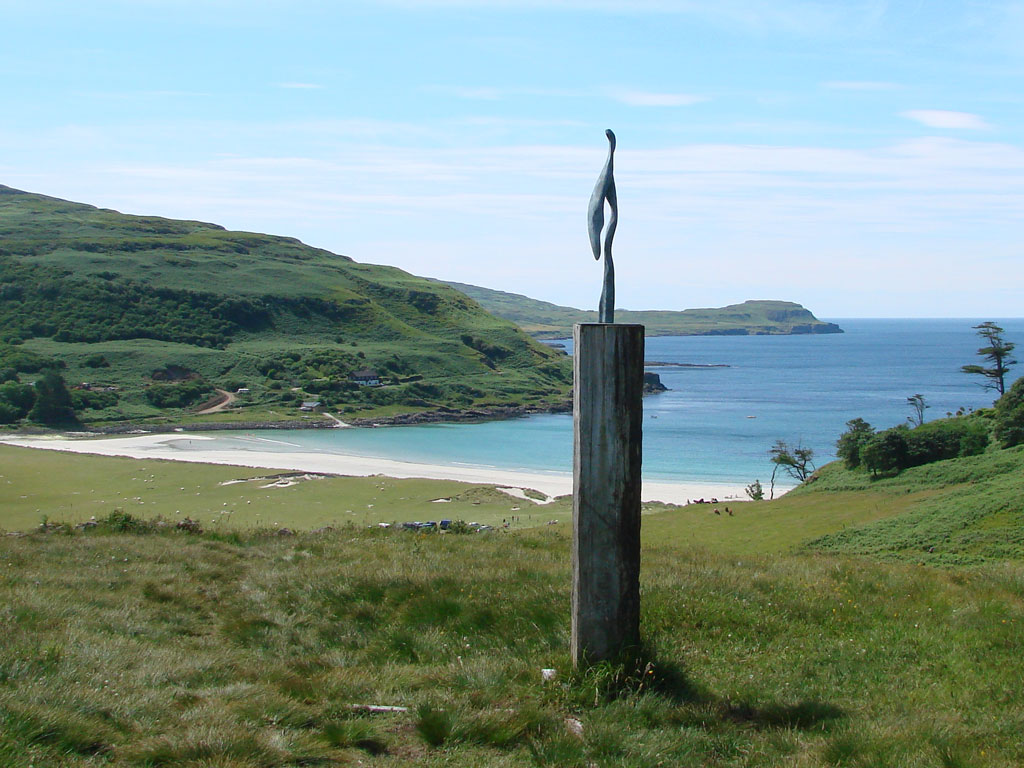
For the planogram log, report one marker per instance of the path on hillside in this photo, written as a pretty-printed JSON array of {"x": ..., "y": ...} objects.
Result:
[
  {"x": 337, "y": 422},
  {"x": 225, "y": 399}
]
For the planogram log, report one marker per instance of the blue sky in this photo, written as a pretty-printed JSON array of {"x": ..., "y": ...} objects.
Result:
[{"x": 861, "y": 158}]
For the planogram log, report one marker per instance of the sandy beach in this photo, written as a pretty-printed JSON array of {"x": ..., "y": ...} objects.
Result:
[{"x": 188, "y": 447}]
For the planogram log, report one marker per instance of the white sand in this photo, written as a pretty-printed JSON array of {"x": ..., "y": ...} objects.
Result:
[{"x": 187, "y": 447}]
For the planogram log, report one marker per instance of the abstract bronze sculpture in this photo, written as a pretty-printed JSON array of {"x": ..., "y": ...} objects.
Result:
[{"x": 605, "y": 190}]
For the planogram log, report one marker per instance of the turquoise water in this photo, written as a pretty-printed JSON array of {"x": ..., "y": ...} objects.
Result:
[{"x": 714, "y": 424}]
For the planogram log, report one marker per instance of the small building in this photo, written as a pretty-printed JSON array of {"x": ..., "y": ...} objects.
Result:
[
  {"x": 309, "y": 405},
  {"x": 242, "y": 391},
  {"x": 366, "y": 378}
]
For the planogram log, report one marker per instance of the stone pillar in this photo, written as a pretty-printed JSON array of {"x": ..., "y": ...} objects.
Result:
[{"x": 608, "y": 367}]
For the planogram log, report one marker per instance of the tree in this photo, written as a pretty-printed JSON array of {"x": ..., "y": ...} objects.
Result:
[
  {"x": 795, "y": 461},
  {"x": 886, "y": 452},
  {"x": 997, "y": 353},
  {"x": 53, "y": 401},
  {"x": 917, "y": 403},
  {"x": 852, "y": 441}
]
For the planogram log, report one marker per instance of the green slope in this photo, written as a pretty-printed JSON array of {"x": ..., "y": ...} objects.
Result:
[
  {"x": 954, "y": 512},
  {"x": 129, "y": 645},
  {"x": 239, "y": 309},
  {"x": 545, "y": 320}
]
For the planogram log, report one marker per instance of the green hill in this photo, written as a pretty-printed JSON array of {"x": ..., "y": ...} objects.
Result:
[
  {"x": 140, "y": 304},
  {"x": 551, "y": 321}
]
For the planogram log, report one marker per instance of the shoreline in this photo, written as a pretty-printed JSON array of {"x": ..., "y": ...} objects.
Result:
[
  {"x": 188, "y": 447},
  {"x": 441, "y": 415}
]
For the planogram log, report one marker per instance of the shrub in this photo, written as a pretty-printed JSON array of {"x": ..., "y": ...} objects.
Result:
[
  {"x": 53, "y": 401},
  {"x": 178, "y": 395},
  {"x": 898, "y": 448},
  {"x": 16, "y": 398},
  {"x": 82, "y": 399},
  {"x": 848, "y": 446},
  {"x": 120, "y": 521},
  {"x": 9, "y": 414},
  {"x": 939, "y": 440},
  {"x": 1009, "y": 416}
]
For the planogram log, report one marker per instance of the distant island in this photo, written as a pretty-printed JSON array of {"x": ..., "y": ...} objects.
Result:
[{"x": 544, "y": 320}]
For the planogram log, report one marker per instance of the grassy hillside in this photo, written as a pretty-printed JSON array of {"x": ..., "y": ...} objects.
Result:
[
  {"x": 766, "y": 642},
  {"x": 115, "y": 298},
  {"x": 257, "y": 650},
  {"x": 545, "y": 320},
  {"x": 960, "y": 511}
]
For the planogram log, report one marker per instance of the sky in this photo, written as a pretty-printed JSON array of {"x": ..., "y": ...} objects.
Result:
[{"x": 862, "y": 158}]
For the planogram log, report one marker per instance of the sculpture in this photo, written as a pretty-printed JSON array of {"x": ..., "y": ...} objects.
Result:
[{"x": 605, "y": 190}]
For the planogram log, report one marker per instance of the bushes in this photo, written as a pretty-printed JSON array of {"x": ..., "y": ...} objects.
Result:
[
  {"x": 893, "y": 450},
  {"x": 83, "y": 399},
  {"x": 852, "y": 441},
  {"x": 96, "y": 361},
  {"x": 16, "y": 400},
  {"x": 178, "y": 395},
  {"x": 1009, "y": 416},
  {"x": 53, "y": 404}
]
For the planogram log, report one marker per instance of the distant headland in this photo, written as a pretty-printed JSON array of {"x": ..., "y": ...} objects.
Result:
[{"x": 545, "y": 320}]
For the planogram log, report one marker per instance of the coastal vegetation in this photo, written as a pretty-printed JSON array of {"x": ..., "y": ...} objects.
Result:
[
  {"x": 996, "y": 353},
  {"x": 121, "y": 304},
  {"x": 545, "y": 320}
]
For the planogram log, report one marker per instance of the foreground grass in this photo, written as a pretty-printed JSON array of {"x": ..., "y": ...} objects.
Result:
[
  {"x": 249, "y": 650},
  {"x": 73, "y": 488}
]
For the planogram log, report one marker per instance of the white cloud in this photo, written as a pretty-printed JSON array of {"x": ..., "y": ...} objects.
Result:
[
  {"x": 943, "y": 118},
  {"x": 655, "y": 99}
]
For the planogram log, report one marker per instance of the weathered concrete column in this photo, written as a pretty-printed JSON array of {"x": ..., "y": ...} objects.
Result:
[{"x": 608, "y": 365}]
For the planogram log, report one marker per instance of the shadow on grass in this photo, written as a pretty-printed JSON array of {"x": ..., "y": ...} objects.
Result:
[
  {"x": 803, "y": 716},
  {"x": 641, "y": 671}
]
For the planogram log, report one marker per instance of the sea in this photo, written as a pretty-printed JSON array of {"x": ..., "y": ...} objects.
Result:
[{"x": 729, "y": 399}]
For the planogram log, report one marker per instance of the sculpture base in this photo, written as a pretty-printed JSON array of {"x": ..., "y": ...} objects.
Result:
[{"x": 608, "y": 366}]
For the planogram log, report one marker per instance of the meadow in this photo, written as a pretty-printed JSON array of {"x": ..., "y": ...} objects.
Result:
[
  {"x": 74, "y": 488},
  {"x": 765, "y": 642},
  {"x": 253, "y": 649}
]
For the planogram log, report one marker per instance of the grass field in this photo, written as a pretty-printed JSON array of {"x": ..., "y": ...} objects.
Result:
[
  {"x": 126, "y": 649},
  {"x": 74, "y": 487},
  {"x": 964, "y": 511},
  {"x": 765, "y": 642}
]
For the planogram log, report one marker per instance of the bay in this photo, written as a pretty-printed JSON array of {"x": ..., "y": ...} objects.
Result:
[{"x": 730, "y": 398}]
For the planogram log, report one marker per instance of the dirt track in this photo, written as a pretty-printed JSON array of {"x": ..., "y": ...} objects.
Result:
[{"x": 224, "y": 399}]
